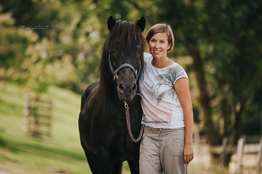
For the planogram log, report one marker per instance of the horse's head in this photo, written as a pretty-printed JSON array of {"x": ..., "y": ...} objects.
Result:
[{"x": 125, "y": 47}]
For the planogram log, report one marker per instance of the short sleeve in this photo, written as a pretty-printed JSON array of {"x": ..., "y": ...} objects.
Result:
[
  {"x": 147, "y": 57},
  {"x": 177, "y": 72}
]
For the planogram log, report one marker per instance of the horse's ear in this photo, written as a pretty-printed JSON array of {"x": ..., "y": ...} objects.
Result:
[
  {"x": 141, "y": 23},
  {"x": 110, "y": 23}
]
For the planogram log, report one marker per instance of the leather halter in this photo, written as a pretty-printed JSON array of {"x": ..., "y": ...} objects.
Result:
[{"x": 125, "y": 65}]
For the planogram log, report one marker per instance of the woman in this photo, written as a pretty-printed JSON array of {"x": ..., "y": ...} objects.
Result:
[{"x": 168, "y": 117}]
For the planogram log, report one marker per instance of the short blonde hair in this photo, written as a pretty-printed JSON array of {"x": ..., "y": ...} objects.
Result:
[{"x": 162, "y": 28}]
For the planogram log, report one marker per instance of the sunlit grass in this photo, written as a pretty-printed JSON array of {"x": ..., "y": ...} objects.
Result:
[
  {"x": 33, "y": 155},
  {"x": 23, "y": 154}
]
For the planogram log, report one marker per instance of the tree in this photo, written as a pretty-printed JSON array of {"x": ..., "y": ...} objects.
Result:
[
  {"x": 236, "y": 54},
  {"x": 42, "y": 37}
]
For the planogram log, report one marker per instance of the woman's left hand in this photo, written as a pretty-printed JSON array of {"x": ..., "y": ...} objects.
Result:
[{"x": 188, "y": 153}]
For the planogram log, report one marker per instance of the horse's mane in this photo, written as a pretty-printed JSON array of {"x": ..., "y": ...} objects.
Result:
[{"x": 124, "y": 37}]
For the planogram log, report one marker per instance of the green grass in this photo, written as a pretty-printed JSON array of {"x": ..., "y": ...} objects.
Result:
[
  {"x": 24, "y": 154},
  {"x": 21, "y": 153}
]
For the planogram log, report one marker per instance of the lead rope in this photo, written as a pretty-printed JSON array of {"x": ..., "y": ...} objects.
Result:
[{"x": 129, "y": 125}]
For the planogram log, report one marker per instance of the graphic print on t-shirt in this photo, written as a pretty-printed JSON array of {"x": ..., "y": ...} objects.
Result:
[
  {"x": 161, "y": 94},
  {"x": 163, "y": 87}
]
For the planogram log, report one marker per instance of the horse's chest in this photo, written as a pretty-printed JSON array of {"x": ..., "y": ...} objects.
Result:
[{"x": 114, "y": 137}]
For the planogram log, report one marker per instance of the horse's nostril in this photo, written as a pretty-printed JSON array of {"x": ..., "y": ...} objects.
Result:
[
  {"x": 134, "y": 87},
  {"x": 121, "y": 87}
]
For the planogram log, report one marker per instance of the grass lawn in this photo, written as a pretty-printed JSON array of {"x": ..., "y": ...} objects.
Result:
[{"x": 21, "y": 153}]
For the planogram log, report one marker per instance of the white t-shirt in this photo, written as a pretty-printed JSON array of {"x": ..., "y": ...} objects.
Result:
[{"x": 160, "y": 103}]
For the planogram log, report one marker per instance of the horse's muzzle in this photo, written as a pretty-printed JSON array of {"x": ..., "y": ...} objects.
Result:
[{"x": 126, "y": 92}]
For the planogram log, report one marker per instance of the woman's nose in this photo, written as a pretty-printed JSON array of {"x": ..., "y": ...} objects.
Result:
[{"x": 156, "y": 45}]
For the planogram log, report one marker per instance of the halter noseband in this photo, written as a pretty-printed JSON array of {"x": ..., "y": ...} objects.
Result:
[{"x": 114, "y": 72}]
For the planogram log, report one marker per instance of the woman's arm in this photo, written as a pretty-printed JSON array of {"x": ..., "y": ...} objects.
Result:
[{"x": 183, "y": 94}]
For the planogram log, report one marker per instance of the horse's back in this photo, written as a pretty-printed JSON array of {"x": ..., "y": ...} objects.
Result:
[{"x": 90, "y": 89}]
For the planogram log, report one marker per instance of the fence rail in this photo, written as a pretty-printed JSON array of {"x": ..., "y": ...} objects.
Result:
[
  {"x": 241, "y": 149},
  {"x": 37, "y": 116}
]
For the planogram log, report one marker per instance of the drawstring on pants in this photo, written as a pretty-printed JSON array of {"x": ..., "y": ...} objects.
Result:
[{"x": 160, "y": 131}]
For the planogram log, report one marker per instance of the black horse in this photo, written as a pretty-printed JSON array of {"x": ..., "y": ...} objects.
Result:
[{"x": 102, "y": 121}]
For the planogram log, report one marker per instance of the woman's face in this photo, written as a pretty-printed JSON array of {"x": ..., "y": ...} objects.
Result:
[{"x": 158, "y": 45}]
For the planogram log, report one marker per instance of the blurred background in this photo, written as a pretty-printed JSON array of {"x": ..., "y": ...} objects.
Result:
[{"x": 50, "y": 52}]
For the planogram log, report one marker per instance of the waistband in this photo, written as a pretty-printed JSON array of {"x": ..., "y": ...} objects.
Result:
[{"x": 149, "y": 129}]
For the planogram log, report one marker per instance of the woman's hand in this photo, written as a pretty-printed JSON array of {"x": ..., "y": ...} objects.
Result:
[{"x": 188, "y": 153}]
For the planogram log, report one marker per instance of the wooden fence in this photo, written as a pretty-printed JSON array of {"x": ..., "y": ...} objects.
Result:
[
  {"x": 37, "y": 116},
  {"x": 241, "y": 149}
]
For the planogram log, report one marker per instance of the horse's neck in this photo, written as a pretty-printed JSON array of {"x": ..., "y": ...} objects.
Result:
[{"x": 116, "y": 102}]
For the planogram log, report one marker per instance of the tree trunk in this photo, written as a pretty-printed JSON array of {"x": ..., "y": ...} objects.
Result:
[
  {"x": 203, "y": 98},
  {"x": 224, "y": 107},
  {"x": 223, "y": 126},
  {"x": 237, "y": 110},
  {"x": 223, "y": 118}
]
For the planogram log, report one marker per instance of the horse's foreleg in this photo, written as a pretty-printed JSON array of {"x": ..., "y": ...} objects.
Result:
[
  {"x": 134, "y": 166},
  {"x": 104, "y": 162},
  {"x": 134, "y": 163},
  {"x": 117, "y": 167},
  {"x": 91, "y": 159}
]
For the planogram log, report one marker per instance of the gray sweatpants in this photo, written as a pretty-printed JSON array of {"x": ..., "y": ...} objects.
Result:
[{"x": 162, "y": 150}]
